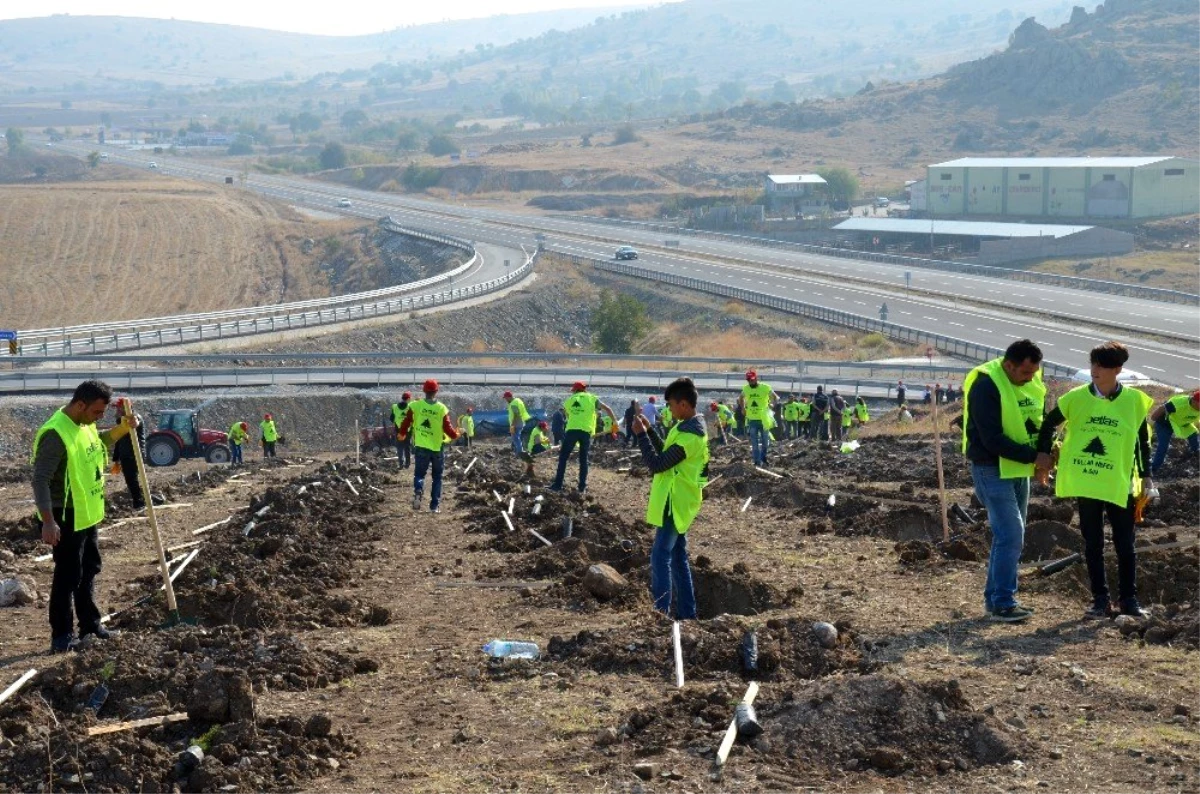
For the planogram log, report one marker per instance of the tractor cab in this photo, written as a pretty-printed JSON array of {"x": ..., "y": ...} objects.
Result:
[
  {"x": 178, "y": 436},
  {"x": 181, "y": 423}
]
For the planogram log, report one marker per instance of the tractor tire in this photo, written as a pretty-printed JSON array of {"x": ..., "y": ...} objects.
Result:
[
  {"x": 218, "y": 453},
  {"x": 162, "y": 451},
  {"x": 372, "y": 448}
]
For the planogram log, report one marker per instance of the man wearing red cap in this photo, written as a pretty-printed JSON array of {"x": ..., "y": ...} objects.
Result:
[
  {"x": 1176, "y": 417},
  {"x": 403, "y": 446},
  {"x": 757, "y": 399},
  {"x": 466, "y": 426},
  {"x": 429, "y": 420},
  {"x": 270, "y": 434},
  {"x": 650, "y": 409},
  {"x": 581, "y": 409},
  {"x": 238, "y": 431},
  {"x": 123, "y": 454},
  {"x": 519, "y": 421}
]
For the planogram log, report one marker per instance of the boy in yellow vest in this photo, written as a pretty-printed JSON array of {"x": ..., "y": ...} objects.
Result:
[
  {"x": 1176, "y": 417},
  {"x": 466, "y": 426},
  {"x": 429, "y": 421},
  {"x": 69, "y": 459},
  {"x": 1002, "y": 413},
  {"x": 680, "y": 468},
  {"x": 1104, "y": 463}
]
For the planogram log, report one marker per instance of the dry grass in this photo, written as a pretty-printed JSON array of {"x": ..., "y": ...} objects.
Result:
[
  {"x": 1175, "y": 269},
  {"x": 118, "y": 250}
]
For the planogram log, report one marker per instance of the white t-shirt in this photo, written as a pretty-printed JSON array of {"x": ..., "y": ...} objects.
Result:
[{"x": 650, "y": 411}]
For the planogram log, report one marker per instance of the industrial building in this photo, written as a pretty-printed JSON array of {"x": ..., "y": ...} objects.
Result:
[
  {"x": 981, "y": 242},
  {"x": 1060, "y": 187}
]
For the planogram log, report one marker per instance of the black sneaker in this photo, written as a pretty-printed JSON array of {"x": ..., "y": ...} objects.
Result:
[
  {"x": 100, "y": 633},
  {"x": 1099, "y": 611},
  {"x": 64, "y": 643},
  {"x": 1013, "y": 614},
  {"x": 1133, "y": 608}
]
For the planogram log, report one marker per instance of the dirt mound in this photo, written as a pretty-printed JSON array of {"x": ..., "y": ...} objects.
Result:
[
  {"x": 879, "y": 723},
  {"x": 1049, "y": 540},
  {"x": 23, "y": 536},
  {"x": 212, "y": 676},
  {"x": 1178, "y": 505},
  {"x": 1163, "y": 577}
]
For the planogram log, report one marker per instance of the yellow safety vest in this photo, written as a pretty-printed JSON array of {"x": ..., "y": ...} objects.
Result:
[
  {"x": 516, "y": 408},
  {"x": 236, "y": 434},
  {"x": 1183, "y": 418},
  {"x": 467, "y": 423},
  {"x": 537, "y": 436},
  {"x": 682, "y": 485},
  {"x": 86, "y": 459},
  {"x": 758, "y": 401},
  {"x": 427, "y": 424},
  {"x": 860, "y": 410},
  {"x": 805, "y": 411},
  {"x": 725, "y": 415},
  {"x": 1097, "y": 459},
  {"x": 581, "y": 412},
  {"x": 1022, "y": 409},
  {"x": 269, "y": 433}
]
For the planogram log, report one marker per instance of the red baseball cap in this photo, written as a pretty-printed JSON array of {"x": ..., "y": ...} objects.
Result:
[
  {"x": 543, "y": 425},
  {"x": 578, "y": 386},
  {"x": 508, "y": 395},
  {"x": 430, "y": 386},
  {"x": 266, "y": 416},
  {"x": 751, "y": 375},
  {"x": 245, "y": 426},
  {"x": 712, "y": 407},
  {"x": 406, "y": 396},
  {"x": 1196, "y": 396},
  {"x": 652, "y": 398}
]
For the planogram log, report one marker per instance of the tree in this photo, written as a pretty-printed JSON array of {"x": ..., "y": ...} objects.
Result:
[
  {"x": 333, "y": 156},
  {"x": 354, "y": 118},
  {"x": 625, "y": 134},
  {"x": 408, "y": 141},
  {"x": 840, "y": 184},
  {"x": 93, "y": 159},
  {"x": 16, "y": 141},
  {"x": 441, "y": 145},
  {"x": 617, "y": 323}
]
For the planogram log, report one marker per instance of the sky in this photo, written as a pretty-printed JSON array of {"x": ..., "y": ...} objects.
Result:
[{"x": 343, "y": 18}]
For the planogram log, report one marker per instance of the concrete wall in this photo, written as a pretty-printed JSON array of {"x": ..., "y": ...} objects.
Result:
[
  {"x": 945, "y": 191},
  {"x": 1160, "y": 190},
  {"x": 1093, "y": 242}
]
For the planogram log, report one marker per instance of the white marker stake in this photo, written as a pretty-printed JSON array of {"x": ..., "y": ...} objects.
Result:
[
  {"x": 357, "y": 444},
  {"x": 467, "y": 470},
  {"x": 746, "y": 504},
  {"x": 16, "y": 685},
  {"x": 678, "y": 655},
  {"x": 213, "y": 525},
  {"x": 508, "y": 521},
  {"x": 511, "y": 504},
  {"x": 731, "y": 734}
]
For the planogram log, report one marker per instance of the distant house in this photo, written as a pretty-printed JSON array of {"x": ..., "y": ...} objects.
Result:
[{"x": 794, "y": 190}]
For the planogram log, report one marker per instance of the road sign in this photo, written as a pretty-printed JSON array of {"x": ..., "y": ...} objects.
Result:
[{"x": 7, "y": 336}]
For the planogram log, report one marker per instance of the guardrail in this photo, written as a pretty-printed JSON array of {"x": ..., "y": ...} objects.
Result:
[
  {"x": 950, "y": 266},
  {"x": 29, "y": 337},
  {"x": 395, "y": 378},
  {"x": 947, "y": 344},
  {"x": 100, "y": 343}
]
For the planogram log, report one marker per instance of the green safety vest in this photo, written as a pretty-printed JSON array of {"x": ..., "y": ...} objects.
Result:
[
  {"x": 860, "y": 410},
  {"x": 467, "y": 423},
  {"x": 1183, "y": 418},
  {"x": 725, "y": 415},
  {"x": 427, "y": 424},
  {"x": 847, "y": 418},
  {"x": 581, "y": 412},
  {"x": 86, "y": 460},
  {"x": 606, "y": 424},
  {"x": 805, "y": 411},
  {"x": 236, "y": 434},
  {"x": 665, "y": 418},
  {"x": 269, "y": 433},
  {"x": 516, "y": 408},
  {"x": 398, "y": 414},
  {"x": 537, "y": 436},
  {"x": 1097, "y": 459},
  {"x": 758, "y": 401},
  {"x": 791, "y": 412},
  {"x": 1022, "y": 409},
  {"x": 682, "y": 485}
]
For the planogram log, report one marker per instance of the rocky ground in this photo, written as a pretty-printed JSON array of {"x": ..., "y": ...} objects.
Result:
[{"x": 333, "y": 637}]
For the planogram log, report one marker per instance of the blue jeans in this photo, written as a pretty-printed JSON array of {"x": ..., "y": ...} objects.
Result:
[
  {"x": 518, "y": 437},
  {"x": 1007, "y": 503},
  {"x": 1163, "y": 433},
  {"x": 760, "y": 440},
  {"x": 235, "y": 453},
  {"x": 669, "y": 569},
  {"x": 572, "y": 437},
  {"x": 423, "y": 457}
]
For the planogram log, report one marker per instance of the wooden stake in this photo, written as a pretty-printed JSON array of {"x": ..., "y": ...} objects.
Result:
[
  {"x": 769, "y": 473},
  {"x": 539, "y": 537},
  {"x": 937, "y": 455},
  {"x": 731, "y": 734},
  {"x": 100, "y": 730},
  {"x": 357, "y": 444},
  {"x": 16, "y": 685},
  {"x": 350, "y": 485},
  {"x": 213, "y": 525},
  {"x": 678, "y": 654},
  {"x": 150, "y": 514},
  {"x": 746, "y": 504}
]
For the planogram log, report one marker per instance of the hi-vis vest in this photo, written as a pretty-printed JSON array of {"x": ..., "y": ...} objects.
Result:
[
  {"x": 847, "y": 417},
  {"x": 606, "y": 424},
  {"x": 791, "y": 412},
  {"x": 467, "y": 423},
  {"x": 725, "y": 415},
  {"x": 269, "y": 433},
  {"x": 398, "y": 411},
  {"x": 1183, "y": 418},
  {"x": 581, "y": 412},
  {"x": 682, "y": 485},
  {"x": 758, "y": 401},
  {"x": 536, "y": 436},
  {"x": 427, "y": 424},
  {"x": 804, "y": 412},
  {"x": 236, "y": 434},
  {"x": 665, "y": 419},
  {"x": 516, "y": 408},
  {"x": 1097, "y": 459},
  {"x": 1022, "y": 409},
  {"x": 860, "y": 410},
  {"x": 83, "y": 487}
]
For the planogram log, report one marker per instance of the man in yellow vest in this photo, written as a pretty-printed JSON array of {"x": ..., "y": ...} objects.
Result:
[
  {"x": 680, "y": 468},
  {"x": 757, "y": 399},
  {"x": 804, "y": 418},
  {"x": 581, "y": 426},
  {"x": 791, "y": 418},
  {"x": 519, "y": 421},
  {"x": 1002, "y": 414},
  {"x": 1104, "y": 463},
  {"x": 1176, "y": 417},
  {"x": 861, "y": 414},
  {"x": 238, "y": 432},
  {"x": 466, "y": 426},
  {"x": 725, "y": 420},
  {"x": 69, "y": 459},
  {"x": 403, "y": 447},
  {"x": 270, "y": 434},
  {"x": 429, "y": 421}
]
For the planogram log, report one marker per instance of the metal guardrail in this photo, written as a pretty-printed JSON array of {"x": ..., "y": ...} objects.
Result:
[
  {"x": 1032, "y": 277},
  {"x": 99, "y": 343},
  {"x": 29, "y": 337},
  {"x": 947, "y": 344}
]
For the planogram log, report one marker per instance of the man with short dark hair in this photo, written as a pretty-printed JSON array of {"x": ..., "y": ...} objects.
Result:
[
  {"x": 69, "y": 458},
  {"x": 819, "y": 421},
  {"x": 680, "y": 468},
  {"x": 1002, "y": 415},
  {"x": 403, "y": 446}
]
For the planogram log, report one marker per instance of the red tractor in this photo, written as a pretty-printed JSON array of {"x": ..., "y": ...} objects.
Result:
[
  {"x": 178, "y": 437},
  {"x": 377, "y": 440}
]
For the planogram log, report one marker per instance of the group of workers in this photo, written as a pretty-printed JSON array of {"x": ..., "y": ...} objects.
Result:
[{"x": 239, "y": 433}]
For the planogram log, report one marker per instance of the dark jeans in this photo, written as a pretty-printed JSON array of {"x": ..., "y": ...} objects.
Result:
[
  {"x": 835, "y": 426},
  {"x": 76, "y": 563},
  {"x": 1091, "y": 525},
  {"x": 404, "y": 453},
  {"x": 1163, "y": 433},
  {"x": 572, "y": 437},
  {"x": 235, "y": 454},
  {"x": 268, "y": 449},
  {"x": 425, "y": 457},
  {"x": 123, "y": 452},
  {"x": 670, "y": 570}
]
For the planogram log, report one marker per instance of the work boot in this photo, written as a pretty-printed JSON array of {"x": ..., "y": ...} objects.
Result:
[
  {"x": 1013, "y": 614},
  {"x": 417, "y": 501},
  {"x": 1130, "y": 606},
  {"x": 99, "y": 632},
  {"x": 63, "y": 643},
  {"x": 1101, "y": 610}
]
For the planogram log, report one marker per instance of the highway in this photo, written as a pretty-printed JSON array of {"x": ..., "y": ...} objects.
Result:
[{"x": 1162, "y": 336}]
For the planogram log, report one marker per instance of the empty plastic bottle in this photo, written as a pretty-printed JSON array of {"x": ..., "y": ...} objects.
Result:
[{"x": 511, "y": 649}]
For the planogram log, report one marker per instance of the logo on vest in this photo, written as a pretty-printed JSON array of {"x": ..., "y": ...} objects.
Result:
[
  {"x": 1030, "y": 427},
  {"x": 1026, "y": 402},
  {"x": 1096, "y": 447},
  {"x": 1106, "y": 421}
]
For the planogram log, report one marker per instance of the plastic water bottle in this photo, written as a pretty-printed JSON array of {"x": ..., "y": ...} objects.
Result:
[{"x": 511, "y": 649}]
